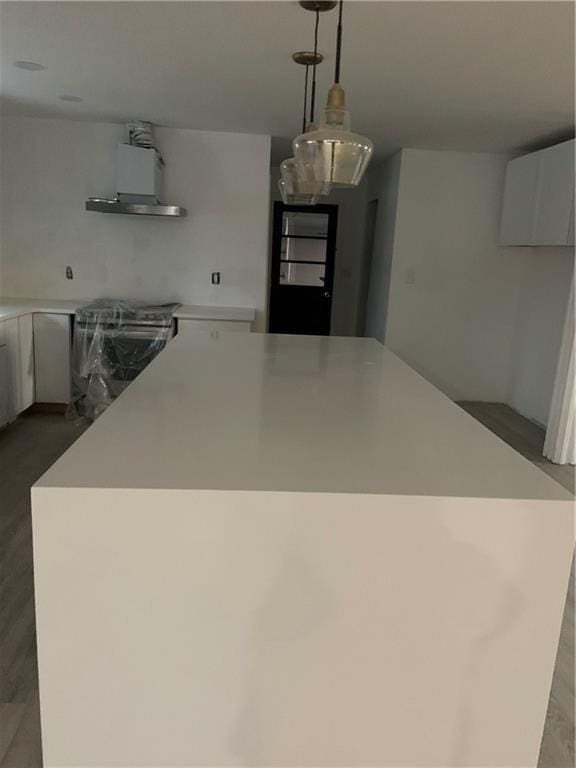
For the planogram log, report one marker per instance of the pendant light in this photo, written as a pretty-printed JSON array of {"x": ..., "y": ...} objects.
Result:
[
  {"x": 298, "y": 186},
  {"x": 333, "y": 154},
  {"x": 294, "y": 188}
]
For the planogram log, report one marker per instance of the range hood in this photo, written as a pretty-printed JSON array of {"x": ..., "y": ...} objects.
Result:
[
  {"x": 102, "y": 205},
  {"x": 139, "y": 173}
]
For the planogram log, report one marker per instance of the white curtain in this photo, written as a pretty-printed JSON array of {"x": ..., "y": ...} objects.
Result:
[{"x": 560, "y": 444}]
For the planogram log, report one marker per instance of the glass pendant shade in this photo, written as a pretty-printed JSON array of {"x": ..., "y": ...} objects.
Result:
[
  {"x": 295, "y": 189},
  {"x": 295, "y": 199},
  {"x": 333, "y": 154}
]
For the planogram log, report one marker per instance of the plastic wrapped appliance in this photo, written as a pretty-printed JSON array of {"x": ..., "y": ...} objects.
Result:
[{"x": 114, "y": 341}]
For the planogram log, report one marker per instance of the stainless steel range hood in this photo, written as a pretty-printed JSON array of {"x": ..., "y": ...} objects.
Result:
[
  {"x": 139, "y": 174},
  {"x": 101, "y": 205}
]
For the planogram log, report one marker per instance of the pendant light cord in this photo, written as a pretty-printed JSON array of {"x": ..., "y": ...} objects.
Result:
[
  {"x": 305, "y": 99},
  {"x": 338, "y": 44},
  {"x": 313, "y": 99}
]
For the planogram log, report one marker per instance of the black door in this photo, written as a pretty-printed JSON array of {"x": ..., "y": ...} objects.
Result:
[{"x": 302, "y": 269}]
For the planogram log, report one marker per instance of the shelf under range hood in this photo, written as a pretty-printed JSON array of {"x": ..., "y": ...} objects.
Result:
[{"x": 100, "y": 205}]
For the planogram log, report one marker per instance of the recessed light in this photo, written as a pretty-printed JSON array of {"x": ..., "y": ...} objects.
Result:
[
  {"x": 31, "y": 66},
  {"x": 65, "y": 97}
]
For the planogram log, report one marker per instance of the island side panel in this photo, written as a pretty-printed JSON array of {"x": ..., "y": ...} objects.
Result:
[{"x": 218, "y": 628}]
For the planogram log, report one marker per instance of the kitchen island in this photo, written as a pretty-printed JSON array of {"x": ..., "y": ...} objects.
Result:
[{"x": 294, "y": 551}]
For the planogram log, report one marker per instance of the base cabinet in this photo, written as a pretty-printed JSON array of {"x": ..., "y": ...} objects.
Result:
[
  {"x": 26, "y": 333},
  {"x": 5, "y": 410},
  {"x": 52, "y": 352},
  {"x": 34, "y": 362},
  {"x": 20, "y": 363}
]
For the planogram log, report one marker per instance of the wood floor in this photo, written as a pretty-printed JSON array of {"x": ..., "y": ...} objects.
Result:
[
  {"x": 27, "y": 448},
  {"x": 30, "y": 445}
]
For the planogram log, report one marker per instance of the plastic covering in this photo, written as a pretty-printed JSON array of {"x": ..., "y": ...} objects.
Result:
[{"x": 113, "y": 342}]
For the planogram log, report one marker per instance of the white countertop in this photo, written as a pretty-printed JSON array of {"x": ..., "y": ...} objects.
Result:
[
  {"x": 10, "y": 308},
  {"x": 387, "y": 615},
  {"x": 293, "y": 413}
]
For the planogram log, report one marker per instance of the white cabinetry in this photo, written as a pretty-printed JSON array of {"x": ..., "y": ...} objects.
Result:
[
  {"x": 213, "y": 325},
  {"x": 52, "y": 357},
  {"x": 539, "y": 198},
  {"x": 25, "y": 328},
  {"x": 555, "y": 195},
  {"x": 519, "y": 200},
  {"x": 5, "y": 411},
  {"x": 20, "y": 356}
]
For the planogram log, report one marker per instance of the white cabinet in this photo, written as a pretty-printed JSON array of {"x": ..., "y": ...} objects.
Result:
[
  {"x": 554, "y": 195},
  {"x": 519, "y": 200},
  {"x": 213, "y": 325},
  {"x": 25, "y": 328},
  {"x": 5, "y": 410},
  {"x": 52, "y": 335},
  {"x": 539, "y": 198},
  {"x": 20, "y": 356}
]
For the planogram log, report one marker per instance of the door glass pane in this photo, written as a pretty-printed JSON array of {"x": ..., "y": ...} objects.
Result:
[
  {"x": 300, "y": 249},
  {"x": 305, "y": 224},
  {"x": 301, "y": 274}
]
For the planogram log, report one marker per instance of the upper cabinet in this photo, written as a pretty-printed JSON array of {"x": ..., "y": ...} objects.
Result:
[{"x": 538, "y": 206}]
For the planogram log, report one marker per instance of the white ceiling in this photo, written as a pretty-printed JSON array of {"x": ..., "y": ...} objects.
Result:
[{"x": 485, "y": 76}]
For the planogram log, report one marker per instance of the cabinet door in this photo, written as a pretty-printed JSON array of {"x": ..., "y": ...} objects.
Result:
[
  {"x": 554, "y": 195},
  {"x": 20, "y": 354},
  {"x": 25, "y": 328},
  {"x": 14, "y": 367},
  {"x": 5, "y": 408},
  {"x": 516, "y": 225},
  {"x": 52, "y": 358}
]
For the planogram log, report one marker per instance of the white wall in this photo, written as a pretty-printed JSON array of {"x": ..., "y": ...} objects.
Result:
[
  {"x": 349, "y": 253},
  {"x": 544, "y": 288},
  {"x": 480, "y": 321},
  {"x": 455, "y": 321},
  {"x": 383, "y": 184},
  {"x": 50, "y": 167}
]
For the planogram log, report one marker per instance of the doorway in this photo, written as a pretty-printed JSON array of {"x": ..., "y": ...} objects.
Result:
[{"x": 302, "y": 268}]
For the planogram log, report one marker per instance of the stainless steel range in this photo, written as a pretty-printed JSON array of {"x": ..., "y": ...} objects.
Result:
[{"x": 113, "y": 342}]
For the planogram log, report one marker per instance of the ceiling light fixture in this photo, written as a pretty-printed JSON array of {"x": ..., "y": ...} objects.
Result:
[
  {"x": 298, "y": 186},
  {"x": 333, "y": 154},
  {"x": 74, "y": 99},
  {"x": 31, "y": 66},
  {"x": 293, "y": 188}
]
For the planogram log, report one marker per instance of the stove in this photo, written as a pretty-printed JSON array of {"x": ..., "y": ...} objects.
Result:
[{"x": 114, "y": 340}]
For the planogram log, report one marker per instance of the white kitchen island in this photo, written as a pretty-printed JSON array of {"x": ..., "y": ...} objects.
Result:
[{"x": 294, "y": 551}]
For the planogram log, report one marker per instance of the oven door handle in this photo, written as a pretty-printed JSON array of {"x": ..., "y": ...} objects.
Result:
[{"x": 162, "y": 334}]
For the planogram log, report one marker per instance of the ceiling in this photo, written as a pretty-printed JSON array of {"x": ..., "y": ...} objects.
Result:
[{"x": 479, "y": 76}]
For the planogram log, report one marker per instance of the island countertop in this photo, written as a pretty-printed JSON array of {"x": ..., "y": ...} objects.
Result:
[
  {"x": 292, "y": 551},
  {"x": 293, "y": 413}
]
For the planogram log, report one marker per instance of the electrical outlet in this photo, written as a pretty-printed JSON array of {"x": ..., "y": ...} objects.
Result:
[
  {"x": 215, "y": 278},
  {"x": 69, "y": 273}
]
